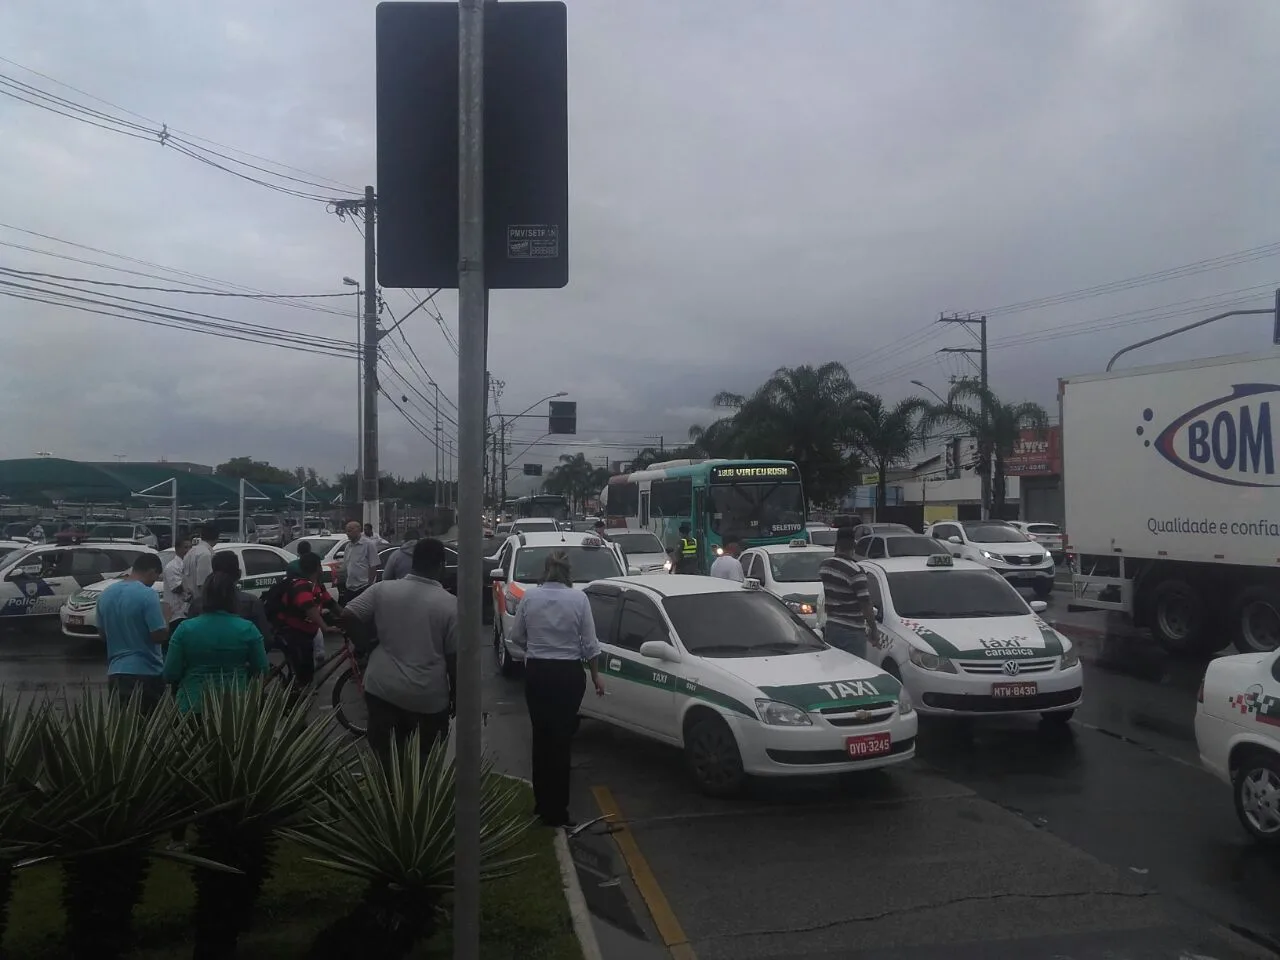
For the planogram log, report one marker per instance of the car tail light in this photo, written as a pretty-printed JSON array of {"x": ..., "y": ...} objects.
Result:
[{"x": 1200, "y": 692}]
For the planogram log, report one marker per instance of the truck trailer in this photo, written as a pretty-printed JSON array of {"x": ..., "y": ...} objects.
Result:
[{"x": 1173, "y": 498}]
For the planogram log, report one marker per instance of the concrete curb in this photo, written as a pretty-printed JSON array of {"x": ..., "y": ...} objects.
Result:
[{"x": 581, "y": 917}]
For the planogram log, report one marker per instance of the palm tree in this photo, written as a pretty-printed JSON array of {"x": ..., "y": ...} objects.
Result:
[
  {"x": 996, "y": 425},
  {"x": 803, "y": 413},
  {"x": 885, "y": 436}
]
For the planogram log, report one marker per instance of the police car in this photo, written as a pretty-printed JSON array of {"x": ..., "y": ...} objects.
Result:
[
  {"x": 789, "y": 572},
  {"x": 1238, "y": 736},
  {"x": 261, "y": 566},
  {"x": 36, "y": 581},
  {"x": 519, "y": 564},
  {"x": 964, "y": 642},
  {"x": 727, "y": 673}
]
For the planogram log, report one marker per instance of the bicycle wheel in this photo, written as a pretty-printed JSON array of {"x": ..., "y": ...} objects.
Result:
[{"x": 348, "y": 702}]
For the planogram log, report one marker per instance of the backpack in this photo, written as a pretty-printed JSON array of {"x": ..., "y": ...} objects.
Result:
[{"x": 275, "y": 599}]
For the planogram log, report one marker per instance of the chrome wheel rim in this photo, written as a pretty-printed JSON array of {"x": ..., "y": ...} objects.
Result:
[{"x": 1260, "y": 800}]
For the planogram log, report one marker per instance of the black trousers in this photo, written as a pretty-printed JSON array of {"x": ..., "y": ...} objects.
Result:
[
  {"x": 150, "y": 689},
  {"x": 387, "y": 721},
  {"x": 553, "y": 691}
]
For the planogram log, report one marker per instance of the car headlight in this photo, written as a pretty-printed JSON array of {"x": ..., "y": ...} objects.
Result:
[
  {"x": 1070, "y": 658},
  {"x": 667, "y": 566},
  {"x": 991, "y": 556},
  {"x": 930, "y": 661},
  {"x": 804, "y": 609},
  {"x": 905, "y": 705},
  {"x": 777, "y": 714}
]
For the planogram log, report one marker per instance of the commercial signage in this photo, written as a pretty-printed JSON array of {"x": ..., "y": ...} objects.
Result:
[
  {"x": 747, "y": 472},
  {"x": 1037, "y": 453}
]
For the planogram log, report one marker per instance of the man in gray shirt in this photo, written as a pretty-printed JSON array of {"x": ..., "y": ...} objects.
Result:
[{"x": 410, "y": 681}]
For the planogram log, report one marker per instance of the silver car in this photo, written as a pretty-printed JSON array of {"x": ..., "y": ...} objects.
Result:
[{"x": 643, "y": 550}]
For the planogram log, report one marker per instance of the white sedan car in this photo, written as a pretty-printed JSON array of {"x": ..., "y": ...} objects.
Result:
[
  {"x": 790, "y": 573},
  {"x": 727, "y": 673},
  {"x": 1000, "y": 546},
  {"x": 519, "y": 564},
  {"x": 262, "y": 565},
  {"x": 643, "y": 550},
  {"x": 964, "y": 642},
  {"x": 37, "y": 580},
  {"x": 1238, "y": 734}
]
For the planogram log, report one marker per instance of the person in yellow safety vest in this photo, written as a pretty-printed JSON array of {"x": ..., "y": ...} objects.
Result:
[{"x": 684, "y": 552}]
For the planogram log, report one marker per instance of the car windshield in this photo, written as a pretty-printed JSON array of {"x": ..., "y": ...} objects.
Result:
[
  {"x": 1044, "y": 529},
  {"x": 982, "y": 532},
  {"x": 755, "y": 510},
  {"x": 637, "y": 542},
  {"x": 585, "y": 563},
  {"x": 822, "y": 538},
  {"x": 116, "y": 531},
  {"x": 797, "y": 567},
  {"x": 891, "y": 528},
  {"x": 748, "y": 623},
  {"x": 913, "y": 546},
  {"x": 944, "y": 594},
  {"x": 228, "y": 524},
  {"x": 534, "y": 526},
  {"x": 18, "y": 529},
  {"x": 265, "y": 519},
  {"x": 15, "y": 558}
]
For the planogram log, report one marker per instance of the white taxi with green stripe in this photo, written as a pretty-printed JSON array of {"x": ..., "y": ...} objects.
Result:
[
  {"x": 262, "y": 565},
  {"x": 727, "y": 672},
  {"x": 964, "y": 641}
]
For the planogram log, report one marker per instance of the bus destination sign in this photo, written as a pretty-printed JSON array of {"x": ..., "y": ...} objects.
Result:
[{"x": 757, "y": 472}]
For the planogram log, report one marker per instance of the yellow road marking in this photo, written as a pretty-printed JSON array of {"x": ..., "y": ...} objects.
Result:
[{"x": 664, "y": 918}]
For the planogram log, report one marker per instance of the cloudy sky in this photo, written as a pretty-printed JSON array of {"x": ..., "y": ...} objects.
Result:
[{"x": 754, "y": 183}]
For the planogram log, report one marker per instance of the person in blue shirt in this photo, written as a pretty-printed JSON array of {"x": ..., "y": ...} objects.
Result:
[{"x": 132, "y": 623}]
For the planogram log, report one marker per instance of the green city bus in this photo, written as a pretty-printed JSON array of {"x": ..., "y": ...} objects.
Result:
[{"x": 758, "y": 501}]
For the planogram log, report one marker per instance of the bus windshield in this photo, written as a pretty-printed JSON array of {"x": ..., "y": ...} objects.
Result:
[
  {"x": 554, "y": 508},
  {"x": 756, "y": 510}
]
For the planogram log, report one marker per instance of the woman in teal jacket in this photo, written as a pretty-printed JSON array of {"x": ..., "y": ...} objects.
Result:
[{"x": 217, "y": 647}]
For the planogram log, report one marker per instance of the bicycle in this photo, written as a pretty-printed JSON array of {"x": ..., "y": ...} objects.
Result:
[{"x": 348, "y": 689}]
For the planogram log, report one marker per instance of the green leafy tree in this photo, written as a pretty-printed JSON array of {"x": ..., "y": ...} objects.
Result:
[
  {"x": 885, "y": 436},
  {"x": 255, "y": 471},
  {"x": 997, "y": 427}
]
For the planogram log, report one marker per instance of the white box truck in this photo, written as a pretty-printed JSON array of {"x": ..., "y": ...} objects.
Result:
[{"x": 1173, "y": 498}]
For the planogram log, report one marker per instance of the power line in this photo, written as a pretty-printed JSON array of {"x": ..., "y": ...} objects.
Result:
[
  {"x": 161, "y": 134},
  {"x": 196, "y": 293},
  {"x": 174, "y": 130}
]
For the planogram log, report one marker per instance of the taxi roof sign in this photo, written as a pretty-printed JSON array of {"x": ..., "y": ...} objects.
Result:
[
  {"x": 751, "y": 583},
  {"x": 939, "y": 560},
  {"x": 592, "y": 542},
  {"x": 798, "y": 543}
]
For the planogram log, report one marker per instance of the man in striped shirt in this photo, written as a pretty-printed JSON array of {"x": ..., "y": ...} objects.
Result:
[{"x": 851, "y": 619}]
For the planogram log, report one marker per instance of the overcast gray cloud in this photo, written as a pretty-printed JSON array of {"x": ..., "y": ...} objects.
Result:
[{"x": 753, "y": 184}]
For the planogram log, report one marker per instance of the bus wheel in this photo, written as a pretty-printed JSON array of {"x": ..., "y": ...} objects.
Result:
[{"x": 1255, "y": 619}]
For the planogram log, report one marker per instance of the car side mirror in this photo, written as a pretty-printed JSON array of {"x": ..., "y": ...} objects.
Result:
[
  {"x": 1038, "y": 606},
  {"x": 633, "y": 571},
  {"x": 497, "y": 574},
  {"x": 660, "y": 650},
  {"x": 954, "y": 539}
]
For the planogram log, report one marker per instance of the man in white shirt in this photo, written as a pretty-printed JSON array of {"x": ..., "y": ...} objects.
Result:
[
  {"x": 176, "y": 599},
  {"x": 359, "y": 564},
  {"x": 727, "y": 565},
  {"x": 198, "y": 563}
]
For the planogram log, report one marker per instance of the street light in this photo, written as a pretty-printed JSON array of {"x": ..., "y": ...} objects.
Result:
[
  {"x": 502, "y": 434},
  {"x": 925, "y": 386}
]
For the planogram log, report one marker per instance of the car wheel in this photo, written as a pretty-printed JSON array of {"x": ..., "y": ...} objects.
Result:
[
  {"x": 1057, "y": 718},
  {"x": 502, "y": 657},
  {"x": 1255, "y": 619},
  {"x": 1256, "y": 783},
  {"x": 1043, "y": 588},
  {"x": 1179, "y": 619},
  {"x": 713, "y": 758}
]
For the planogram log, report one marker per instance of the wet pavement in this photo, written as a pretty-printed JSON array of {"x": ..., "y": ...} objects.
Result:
[{"x": 1002, "y": 839}]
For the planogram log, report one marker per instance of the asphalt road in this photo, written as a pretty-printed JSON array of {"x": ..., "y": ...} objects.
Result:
[{"x": 1001, "y": 840}]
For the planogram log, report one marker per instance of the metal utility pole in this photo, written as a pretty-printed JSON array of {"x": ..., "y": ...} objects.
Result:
[
  {"x": 436, "y": 504},
  {"x": 370, "y": 364},
  {"x": 472, "y": 344},
  {"x": 984, "y": 453}
]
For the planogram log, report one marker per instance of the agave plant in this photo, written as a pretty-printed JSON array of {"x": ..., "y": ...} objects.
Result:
[
  {"x": 263, "y": 762},
  {"x": 21, "y": 732},
  {"x": 113, "y": 779},
  {"x": 392, "y": 826}
]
